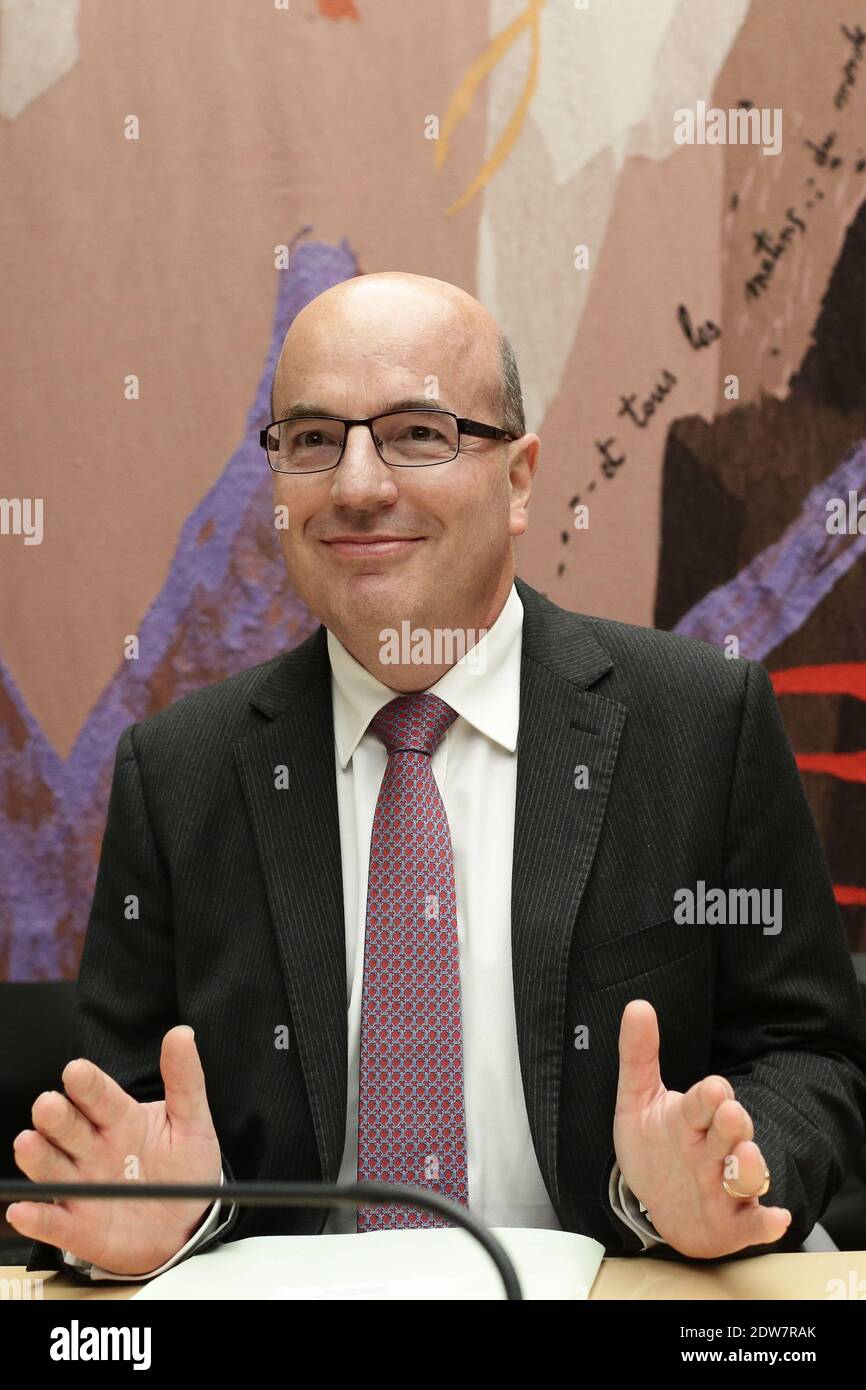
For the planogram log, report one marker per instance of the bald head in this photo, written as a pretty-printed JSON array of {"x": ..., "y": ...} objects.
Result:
[{"x": 439, "y": 318}]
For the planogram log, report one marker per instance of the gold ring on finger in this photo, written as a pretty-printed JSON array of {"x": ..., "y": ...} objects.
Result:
[{"x": 762, "y": 1190}]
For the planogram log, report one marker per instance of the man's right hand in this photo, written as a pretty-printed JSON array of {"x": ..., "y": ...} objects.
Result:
[{"x": 98, "y": 1133}]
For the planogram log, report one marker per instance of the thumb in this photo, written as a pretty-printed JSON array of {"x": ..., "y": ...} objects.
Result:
[
  {"x": 639, "y": 1074},
  {"x": 183, "y": 1078}
]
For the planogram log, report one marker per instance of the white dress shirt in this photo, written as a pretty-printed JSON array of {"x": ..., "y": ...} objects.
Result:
[{"x": 475, "y": 767}]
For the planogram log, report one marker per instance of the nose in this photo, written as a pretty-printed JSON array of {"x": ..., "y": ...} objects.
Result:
[{"x": 362, "y": 477}]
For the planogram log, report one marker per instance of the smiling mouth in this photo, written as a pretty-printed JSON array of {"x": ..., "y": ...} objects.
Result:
[{"x": 368, "y": 548}]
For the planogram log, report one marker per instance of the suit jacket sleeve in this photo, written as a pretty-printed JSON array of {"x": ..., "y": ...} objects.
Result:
[
  {"x": 119, "y": 1024},
  {"x": 789, "y": 1027}
]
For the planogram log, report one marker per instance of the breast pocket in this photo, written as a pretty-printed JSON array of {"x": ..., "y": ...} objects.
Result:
[{"x": 639, "y": 952}]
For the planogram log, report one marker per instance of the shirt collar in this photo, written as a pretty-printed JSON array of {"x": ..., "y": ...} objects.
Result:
[{"x": 485, "y": 693}]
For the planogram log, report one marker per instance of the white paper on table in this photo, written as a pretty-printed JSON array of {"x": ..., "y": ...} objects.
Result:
[{"x": 437, "y": 1263}]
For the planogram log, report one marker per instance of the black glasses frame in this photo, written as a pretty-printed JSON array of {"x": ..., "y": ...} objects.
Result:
[{"x": 464, "y": 426}]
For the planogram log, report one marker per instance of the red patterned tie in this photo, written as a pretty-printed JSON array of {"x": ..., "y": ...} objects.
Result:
[{"x": 411, "y": 1125}]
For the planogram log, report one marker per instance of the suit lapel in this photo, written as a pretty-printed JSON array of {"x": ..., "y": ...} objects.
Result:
[
  {"x": 563, "y": 726},
  {"x": 297, "y": 832}
]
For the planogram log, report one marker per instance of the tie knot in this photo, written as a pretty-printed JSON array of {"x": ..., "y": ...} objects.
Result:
[{"x": 413, "y": 723}]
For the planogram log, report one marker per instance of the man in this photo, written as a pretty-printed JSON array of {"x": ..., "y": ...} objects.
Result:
[{"x": 427, "y": 909}]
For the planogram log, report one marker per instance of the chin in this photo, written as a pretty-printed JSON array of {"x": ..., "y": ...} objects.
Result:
[{"x": 378, "y": 592}]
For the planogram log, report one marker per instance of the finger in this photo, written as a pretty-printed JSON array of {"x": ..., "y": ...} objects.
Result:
[
  {"x": 731, "y": 1124},
  {"x": 39, "y": 1160},
  {"x": 42, "y": 1221},
  {"x": 702, "y": 1100},
  {"x": 183, "y": 1077},
  {"x": 639, "y": 1075},
  {"x": 744, "y": 1168},
  {"x": 757, "y": 1225},
  {"x": 95, "y": 1093},
  {"x": 62, "y": 1122}
]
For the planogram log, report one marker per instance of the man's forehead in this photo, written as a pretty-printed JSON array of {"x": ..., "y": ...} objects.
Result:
[
  {"x": 366, "y": 392},
  {"x": 459, "y": 402}
]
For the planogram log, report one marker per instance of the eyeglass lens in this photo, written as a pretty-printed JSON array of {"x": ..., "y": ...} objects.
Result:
[{"x": 406, "y": 439}]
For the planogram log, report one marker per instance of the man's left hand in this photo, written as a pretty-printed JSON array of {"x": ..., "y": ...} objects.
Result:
[{"x": 674, "y": 1148}]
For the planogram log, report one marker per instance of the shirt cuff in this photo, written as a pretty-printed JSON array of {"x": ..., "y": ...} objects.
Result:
[
  {"x": 631, "y": 1211},
  {"x": 210, "y": 1227}
]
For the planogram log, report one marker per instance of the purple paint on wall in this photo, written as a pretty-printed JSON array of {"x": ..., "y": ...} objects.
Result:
[
  {"x": 775, "y": 594},
  {"x": 226, "y": 605}
]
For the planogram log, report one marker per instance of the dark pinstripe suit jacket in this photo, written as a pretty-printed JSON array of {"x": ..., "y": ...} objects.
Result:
[{"x": 691, "y": 778}]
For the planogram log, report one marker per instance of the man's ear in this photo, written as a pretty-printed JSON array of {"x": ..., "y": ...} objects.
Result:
[{"x": 520, "y": 471}]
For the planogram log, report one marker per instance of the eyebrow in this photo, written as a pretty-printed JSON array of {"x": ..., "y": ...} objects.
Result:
[{"x": 406, "y": 403}]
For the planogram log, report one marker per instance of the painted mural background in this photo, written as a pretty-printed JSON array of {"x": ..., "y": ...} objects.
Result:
[{"x": 178, "y": 179}]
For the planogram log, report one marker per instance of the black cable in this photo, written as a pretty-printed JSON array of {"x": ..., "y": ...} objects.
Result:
[{"x": 282, "y": 1194}]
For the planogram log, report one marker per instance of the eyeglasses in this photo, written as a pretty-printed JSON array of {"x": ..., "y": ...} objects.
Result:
[{"x": 403, "y": 438}]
